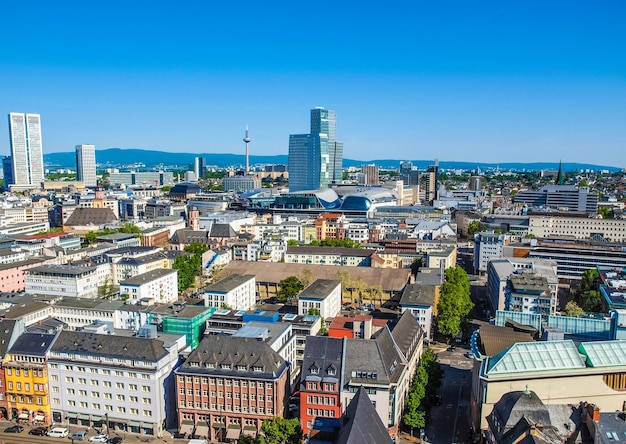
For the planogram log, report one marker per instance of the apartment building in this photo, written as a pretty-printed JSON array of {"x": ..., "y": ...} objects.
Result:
[
  {"x": 350, "y": 257},
  {"x": 157, "y": 286},
  {"x": 487, "y": 246},
  {"x": 323, "y": 295},
  {"x": 237, "y": 291},
  {"x": 576, "y": 226}
]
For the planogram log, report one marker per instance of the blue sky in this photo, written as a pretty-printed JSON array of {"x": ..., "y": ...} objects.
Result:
[{"x": 493, "y": 81}]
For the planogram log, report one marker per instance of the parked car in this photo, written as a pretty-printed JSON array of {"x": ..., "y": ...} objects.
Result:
[
  {"x": 39, "y": 431},
  {"x": 115, "y": 440},
  {"x": 79, "y": 436},
  {"x": 99, "y": 438},
  {"x": 14, "y": 429},
  {"x": 469, "y": 354},
  {"x": 59, "y": 432}
]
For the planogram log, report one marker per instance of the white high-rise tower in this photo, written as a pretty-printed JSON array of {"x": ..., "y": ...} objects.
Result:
[
  {"x": 26, "y": 149},
  {"x": 86, "y": 165}
]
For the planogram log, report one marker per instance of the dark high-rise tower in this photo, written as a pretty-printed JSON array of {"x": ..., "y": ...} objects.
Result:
[{"x": 315, "y": 159}]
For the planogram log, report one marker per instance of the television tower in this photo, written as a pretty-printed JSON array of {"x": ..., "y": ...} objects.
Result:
[{"x": 247, "y": 140}]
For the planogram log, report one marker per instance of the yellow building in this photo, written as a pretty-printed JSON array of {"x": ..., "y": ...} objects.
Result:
[{"x": 26, "y": 378}]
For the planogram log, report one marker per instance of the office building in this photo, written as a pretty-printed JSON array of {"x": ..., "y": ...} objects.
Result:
[
  {"x": 199, "y": 167},
  {"x": 26, "y": 150},
  {"x": 432, "y": 186},
  {"x": 561, "y": 197},
  {"x": 409, "y": 174},
  {"x": 86, "y": 165},
  {"x": 315, "y": 159},
  {"x": 369, "y": 175},
  {"x": 7, "y": 168}
]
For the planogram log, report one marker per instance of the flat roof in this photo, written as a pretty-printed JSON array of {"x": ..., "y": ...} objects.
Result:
[
  {"x": 148, "y": 277},
  {"x": 229, "y": 283},
  {"x": 320, "y": 289}
]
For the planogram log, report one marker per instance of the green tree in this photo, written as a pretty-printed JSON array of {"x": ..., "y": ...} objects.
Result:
[
  {"x": 587, "y": 295},
  {"x": 281, "y": 431},
  {"x": 290, "y": 287},
  {"x": 473, "y": 228},
  {"x": 454, "y": 301},
  {"x": 292, "y": 243},
  {"x": 247, "y": 439},
  {"x": 90, "y": 237},
  {"x": 605, "y": 212},
  {"x": 107, "y": 289},
  {"x": 130, "y": 228},
  {"x": 306, "y": 278},
  {"x": 573, "y": 310}
]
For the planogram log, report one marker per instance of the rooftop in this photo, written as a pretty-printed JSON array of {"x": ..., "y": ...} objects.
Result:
[
  {"x": 320, "y": 289},
  {"x": 229, "y": 283},
  {"x": 148, "y": 277}
]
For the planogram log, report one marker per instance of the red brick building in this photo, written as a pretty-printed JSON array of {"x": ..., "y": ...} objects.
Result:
[
  {"x": 320, "y": 387},
  {"x": 228, "y": 386}
]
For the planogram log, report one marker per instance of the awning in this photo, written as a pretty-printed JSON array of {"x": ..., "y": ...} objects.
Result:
[
  {"x": 186, "y": 427},
  {"x": 233, "y": 432},
  {"x": 134, "y": 423},
  {"x": 251, "y": 431},
  {"x": 23, "y": 416},
  {"x": 83, "y": 416},
  {"x": 40, "y": 418},
  {"x": 202, "y": 429},
  {"x": 71, "y": 415},
  {"x": 96, "y": 418}
]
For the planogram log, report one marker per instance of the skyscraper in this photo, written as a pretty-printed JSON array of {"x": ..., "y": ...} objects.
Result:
[
  {"x": 86, "y": 165},
  {"x": 26, "y": 150},
  {"x": 199, "y": 167},
  {"x": 432, "y": 184},
  {"x": 315, "y": 159}
]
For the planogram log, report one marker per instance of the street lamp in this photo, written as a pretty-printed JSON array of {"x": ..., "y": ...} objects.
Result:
[{"x": 106, "y": 417}]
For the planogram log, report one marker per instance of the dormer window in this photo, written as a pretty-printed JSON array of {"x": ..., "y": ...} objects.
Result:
[
  {"x": 241, "y": 367},
  {"x": 314, "y": 369},
  {"x": 331, "y": 370},
  {"x": 225, "y": 366},
  {"x": 257, "y": 368}
]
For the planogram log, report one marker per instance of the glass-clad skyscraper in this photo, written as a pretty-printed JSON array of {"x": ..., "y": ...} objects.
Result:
[
  {"x": 86, "y": 165},
  {"x": 26, "y": 150},
  {"x": 315, "y": 159}
]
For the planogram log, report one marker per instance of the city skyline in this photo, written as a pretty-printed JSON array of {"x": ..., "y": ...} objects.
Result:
[{"x": 490, "y": 81}]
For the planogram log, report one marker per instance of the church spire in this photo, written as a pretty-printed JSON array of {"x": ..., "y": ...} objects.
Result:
[{"x": 559, "y": 175}]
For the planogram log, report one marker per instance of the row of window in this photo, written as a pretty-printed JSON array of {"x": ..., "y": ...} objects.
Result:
[
  {"x": 22, "y": 399},
  {"x": 320, "y": 412},
  {"x": 22, "y": 372},
  {"x": 105, "y": 395},
  {"x": 227, "y": 408},
  {"x": 226, "y": 382},
  {"x": 322, "y": 400},
  {"x": 229, "y": 395},
  {"x": 107, "y": 407}
]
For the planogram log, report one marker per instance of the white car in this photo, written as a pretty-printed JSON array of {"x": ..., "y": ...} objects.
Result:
[
  {"x": 99, "y": 438},
  {"x": 59, "y": 432}
]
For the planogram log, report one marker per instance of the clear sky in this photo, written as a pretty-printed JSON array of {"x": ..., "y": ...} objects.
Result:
[{"x": 492, "y": 81}]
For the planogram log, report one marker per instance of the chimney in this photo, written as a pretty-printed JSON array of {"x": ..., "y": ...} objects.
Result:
[{"x": 596, "y": 413}]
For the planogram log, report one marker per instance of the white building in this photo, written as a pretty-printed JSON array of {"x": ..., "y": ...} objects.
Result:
[
  {"x": 323, "y": 295},
  {"x": 26, "y": 149},
  {"x": 557, "y": 225},
  {"x": 160, "y": 286},
  {"x": 86, "y": 165},
  {"x": 119, "y": 381},
  {"x": 62, "y": 280},
  {"x": 237, "y": 291},
  {"x": 487, "y": 246}
]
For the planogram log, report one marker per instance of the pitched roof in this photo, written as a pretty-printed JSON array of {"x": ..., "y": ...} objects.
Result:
[
  {"x": 494, "y": 339},
  {"x": 216, "y": 351},
  {"x": 389, "y": 279},
  {"x": 321, "y": 353},
  {"x": 372, "y": 360},
  {"x": 189, "y": 236},
  {"x": 114, "y": 346},
  {"x": 7, "y": 327},
  {"x": 362, "y": 423},
  {"x": 320, "y": 289},
  {"x": 91, "y": 216},
  {"x": 536, "y": 357},
  {"x": 33, "y": 344},
  {"x": 222, "y": 230},
  {"x": 406, "y": 333}
]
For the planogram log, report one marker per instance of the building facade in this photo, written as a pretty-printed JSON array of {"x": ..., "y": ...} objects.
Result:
[
  {"x": 235, "y": 291},
  {"x": 26, "y": 149},
  {"x": 323, "y": 295},
  {"x": 86, "y": 165},
  {"x": 160, "y": 286},
  {"x": 228, "y": 386}
]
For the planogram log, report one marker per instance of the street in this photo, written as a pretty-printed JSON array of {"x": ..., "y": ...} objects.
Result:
[{"x": 448, "y": 423}]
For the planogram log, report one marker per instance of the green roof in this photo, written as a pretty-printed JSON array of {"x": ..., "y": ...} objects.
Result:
[
  {"x": 604, "y": 353},
  {"x": 535, "y": 357}
]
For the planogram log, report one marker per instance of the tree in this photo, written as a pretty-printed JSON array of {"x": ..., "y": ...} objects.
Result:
[
  {"x": 130, "y": 229},
  {"x": 107, "y": 288},
  {"x": 473, "y": 228},
  {"x": 454, "y": 301},
  {"x": 588, "y": 293},
  {"x": 605, "y": 212},
  {"x": 292, "y": 243},
  {"x": 281, "y": 431},
  {"x": 90, "y": 237},
  {"x": 290, "y": 287},
  {"x": 306, "y": 278},
  {"x": 247, "y": 439},
  {"x": 573, "y": 310}
]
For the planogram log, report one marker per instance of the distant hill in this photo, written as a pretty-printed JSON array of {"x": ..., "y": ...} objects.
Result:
[{"x": 120, "y": 158}]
